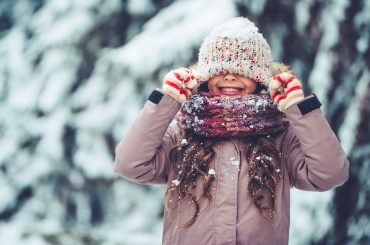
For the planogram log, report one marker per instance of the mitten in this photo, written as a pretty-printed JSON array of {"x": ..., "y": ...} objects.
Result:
[
  {"x": 286, "y": 90},
  {"x": 179, "y": 84}
]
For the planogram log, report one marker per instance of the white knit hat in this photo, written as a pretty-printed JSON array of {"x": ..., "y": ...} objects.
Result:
[{"x": 236, "y": 47}]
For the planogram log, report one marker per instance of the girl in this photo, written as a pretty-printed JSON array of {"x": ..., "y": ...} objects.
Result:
[{"x": 228, "y": 151}]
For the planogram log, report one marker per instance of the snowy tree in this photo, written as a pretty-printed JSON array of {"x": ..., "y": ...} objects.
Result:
[{"x": 74, "y": 74}]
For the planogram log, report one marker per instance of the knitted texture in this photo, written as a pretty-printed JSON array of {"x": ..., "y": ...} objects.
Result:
[
  {"x": 236, "y": 47},
  {"x": 179, "y": 84},
  {"x": 285, "y": 89},
  {"x": 223, "y": 116}
]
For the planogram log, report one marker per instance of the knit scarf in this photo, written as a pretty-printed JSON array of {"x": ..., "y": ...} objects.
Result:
[{"x": 223, "y": 116}]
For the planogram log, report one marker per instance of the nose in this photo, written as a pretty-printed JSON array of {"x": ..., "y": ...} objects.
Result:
[{"x": 230, "y": 77}]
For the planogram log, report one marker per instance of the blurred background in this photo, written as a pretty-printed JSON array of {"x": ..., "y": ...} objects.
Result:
[{"x": 74, "y": 75}]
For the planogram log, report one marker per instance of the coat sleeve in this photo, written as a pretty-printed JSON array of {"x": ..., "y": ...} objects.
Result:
[
  {"x": 315, "y": 159},
  {"x": 142, "y": 156}
]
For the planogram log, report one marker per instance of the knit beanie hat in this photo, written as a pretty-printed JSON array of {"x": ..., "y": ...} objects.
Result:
[{"x": 235, "y": 47}]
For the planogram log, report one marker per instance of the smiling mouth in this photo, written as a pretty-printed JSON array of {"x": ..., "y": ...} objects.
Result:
[{"x": 230, "y": 90}]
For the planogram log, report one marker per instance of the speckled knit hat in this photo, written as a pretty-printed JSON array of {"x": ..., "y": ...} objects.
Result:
[{"x": 236, "y": 47}]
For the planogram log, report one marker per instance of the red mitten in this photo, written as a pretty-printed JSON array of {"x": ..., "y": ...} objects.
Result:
[
  {"x": 286, "y": 90},
  {"x": 179, "y": 84}
]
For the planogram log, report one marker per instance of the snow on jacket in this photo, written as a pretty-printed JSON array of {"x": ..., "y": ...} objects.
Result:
[{"x": 312, "y": 159}]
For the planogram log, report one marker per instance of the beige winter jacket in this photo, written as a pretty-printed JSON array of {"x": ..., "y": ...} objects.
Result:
[{"x": 312, "y": 159}]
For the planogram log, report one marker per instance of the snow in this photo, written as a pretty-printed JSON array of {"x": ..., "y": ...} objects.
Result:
[
  {"x": 257, "y": 6},
  {"x": 330, "y": 17},
  {"x": 211, "y": 171},
  {"x": 164, "y": 31},
  {"x": 363, "y": 16},
  {"x": 347, "y": 131},
  {"x": 140, "y": 7},
  {"x": 306, "y": 213},
  {"x": 360, "y": 20},
  {"x": 362, "y": 43},
  {"x": 184, "y": 142},
  {"x": 236, "y": 28},
  {"x": 176, "y": 182},
  {"x": 60, "y": 80},
  {"x": 92, "y": 155},
  {"x": 276, "y": 41},
  {"x": 7, "y": 193},
  {"x": 302, "y": 15},
  {"x": 320, "y": 77},
  {"x": 234, "y": 162},
  {"x": 57, "y": 139},
  {"x": 10, "y": 235}
]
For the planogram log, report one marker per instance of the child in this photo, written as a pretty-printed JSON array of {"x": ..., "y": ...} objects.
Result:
[{"x": 231, "y": 154}]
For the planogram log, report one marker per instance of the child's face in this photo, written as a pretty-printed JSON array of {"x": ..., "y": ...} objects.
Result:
[{"x": 231, "y": 85}]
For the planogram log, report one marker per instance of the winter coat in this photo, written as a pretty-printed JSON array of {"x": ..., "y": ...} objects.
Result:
[{"x": 312, "y": 159}]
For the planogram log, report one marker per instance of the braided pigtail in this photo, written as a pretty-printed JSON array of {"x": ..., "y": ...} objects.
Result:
[
  {"x": 191, "y": 158},
  {"x": 264, "y": 170}
]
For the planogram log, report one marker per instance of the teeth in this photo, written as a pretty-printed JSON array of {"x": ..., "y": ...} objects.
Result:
[{"x": 229, "y": 89}]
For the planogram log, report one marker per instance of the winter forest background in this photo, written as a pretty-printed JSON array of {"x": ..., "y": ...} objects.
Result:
[{"x": 75, "y": 73}]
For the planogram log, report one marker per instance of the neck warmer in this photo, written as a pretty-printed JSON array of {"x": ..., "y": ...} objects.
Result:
[{"x": 223, "y": 116}]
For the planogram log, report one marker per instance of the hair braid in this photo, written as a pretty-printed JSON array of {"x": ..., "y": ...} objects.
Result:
[
  {"x": 192, "y": 161},
  {"x": 264, "y": 170}
]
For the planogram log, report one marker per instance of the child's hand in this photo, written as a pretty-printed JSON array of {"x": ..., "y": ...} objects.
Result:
[
  {"x": 286, "y": 90},
  {"x": 179, "y": 84}
]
